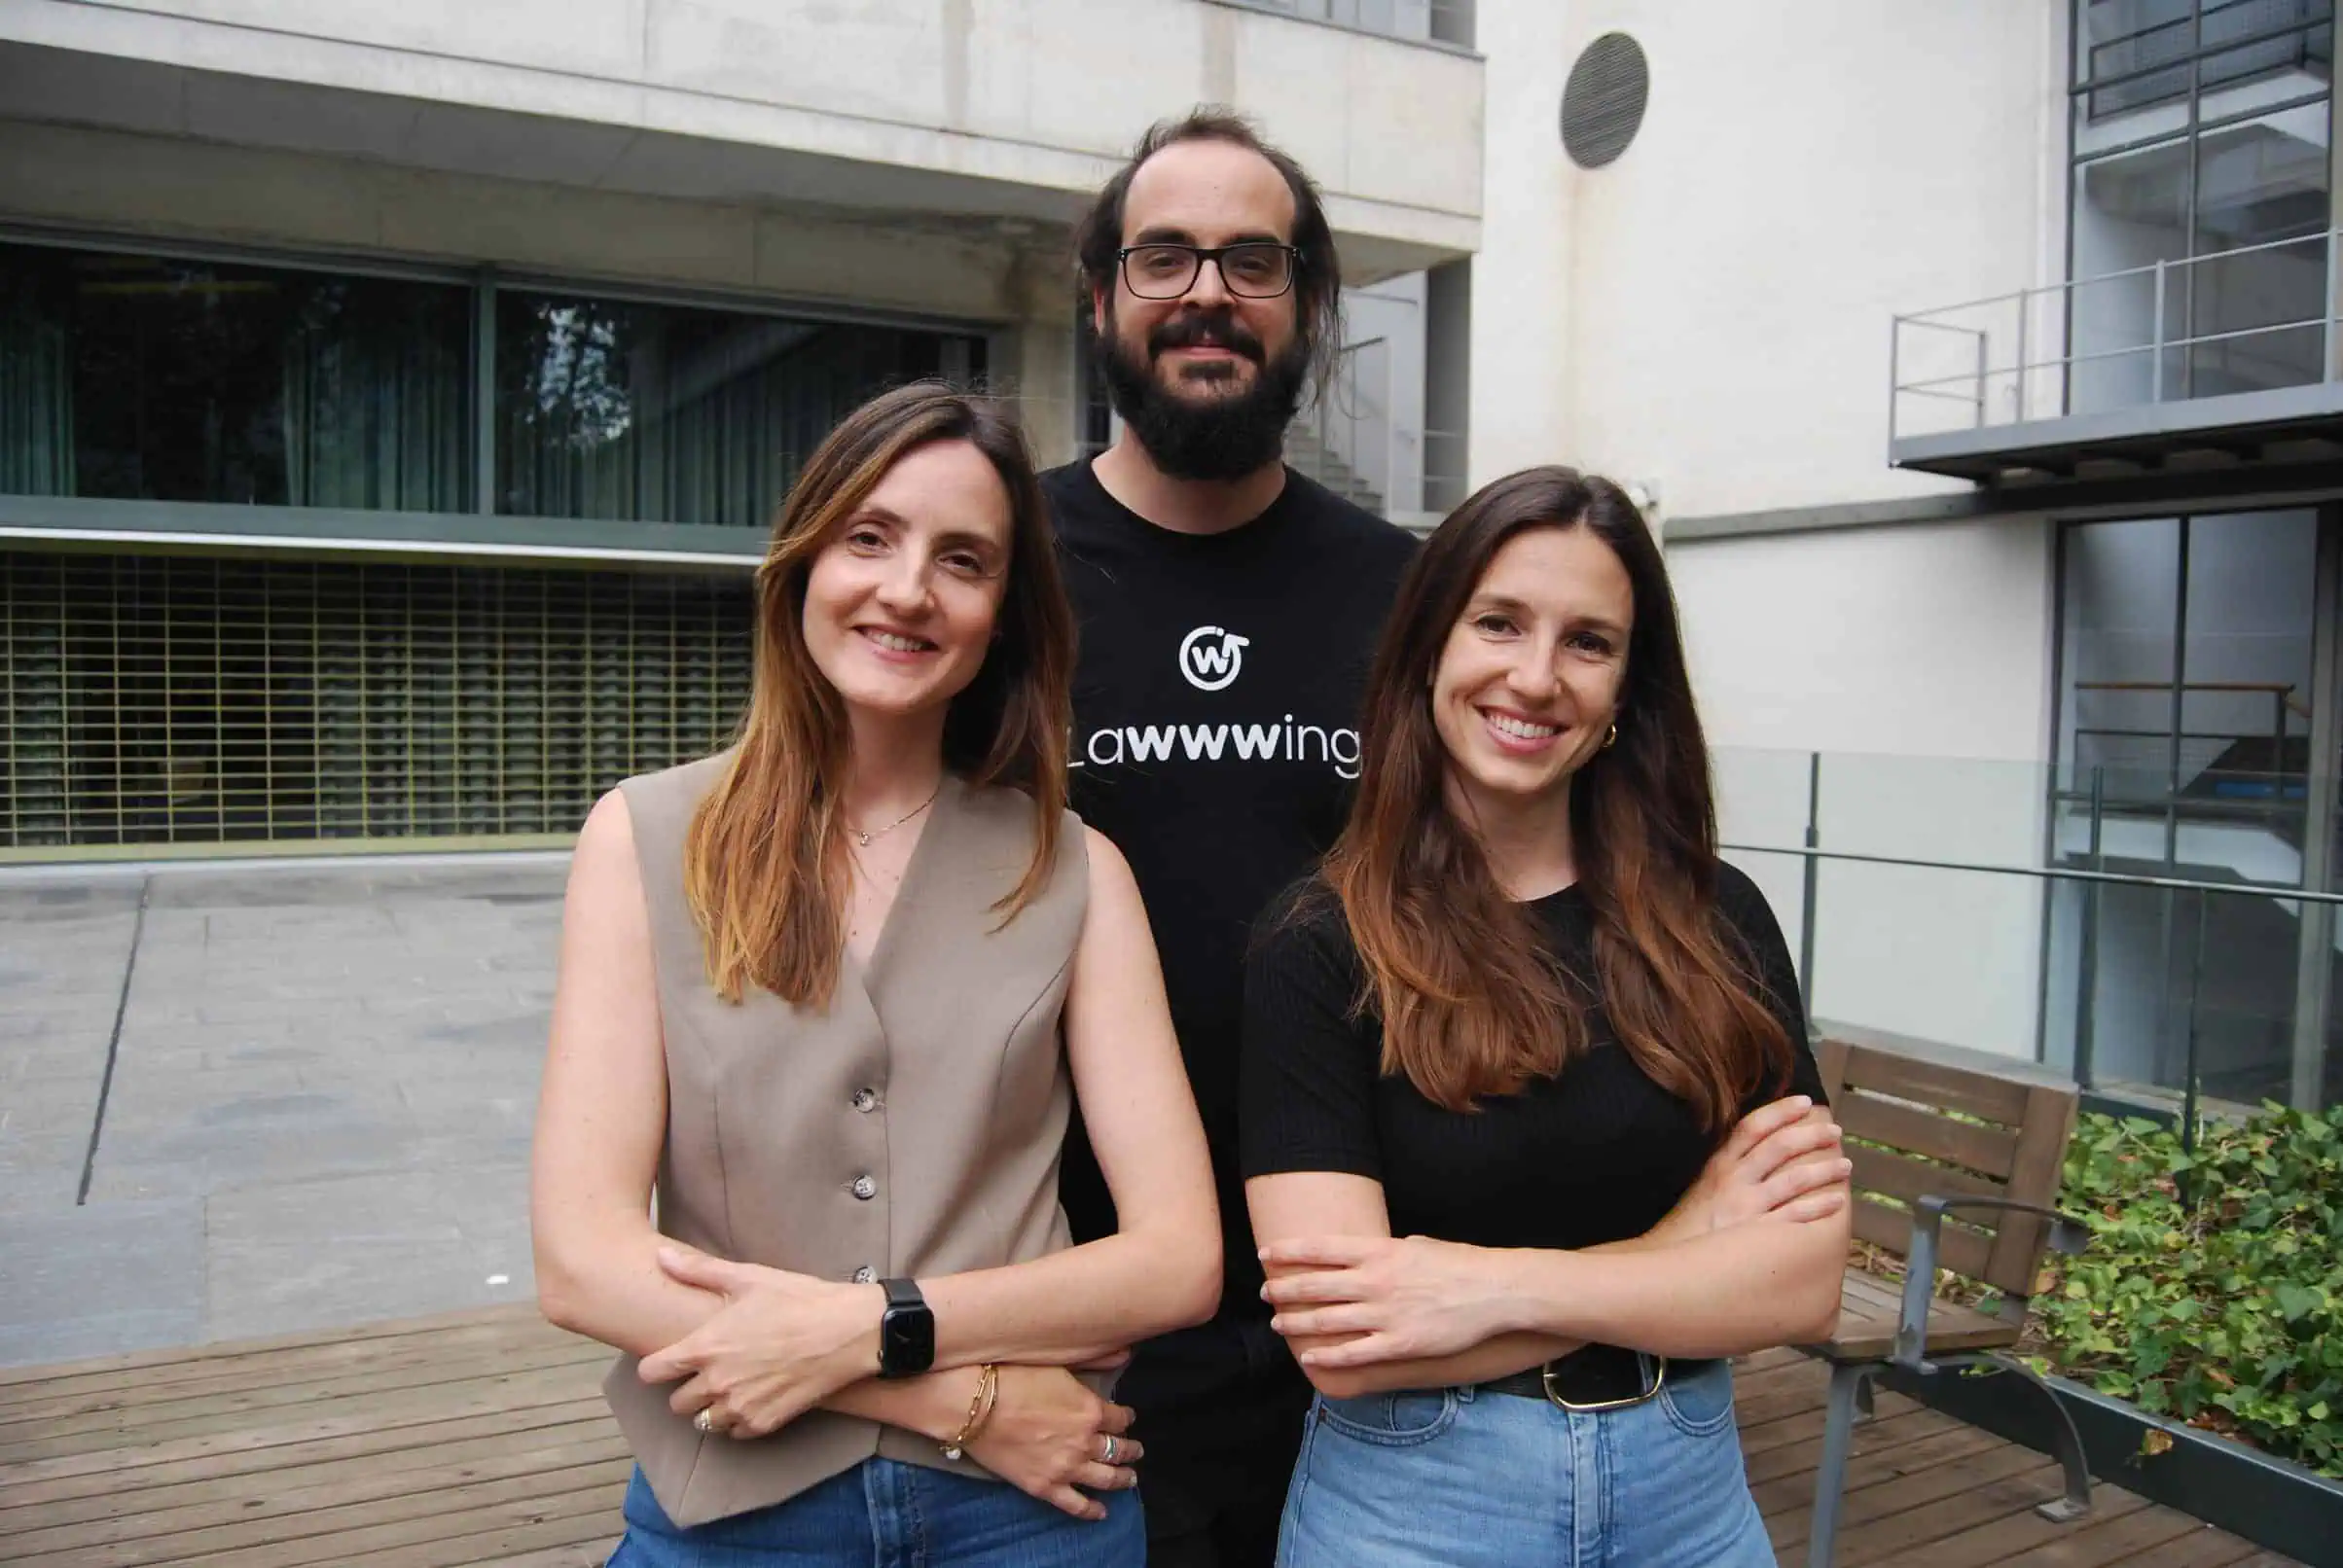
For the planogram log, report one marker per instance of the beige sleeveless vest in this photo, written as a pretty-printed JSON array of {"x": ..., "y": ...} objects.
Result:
[{"x": 910, "y": 1129}]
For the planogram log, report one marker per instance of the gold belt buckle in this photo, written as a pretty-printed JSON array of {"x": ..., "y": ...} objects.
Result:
[{"x": 1659, "y": 1378}]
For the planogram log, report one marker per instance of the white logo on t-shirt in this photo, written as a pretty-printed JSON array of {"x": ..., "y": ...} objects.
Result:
[{"x": 1210, "y": 665}]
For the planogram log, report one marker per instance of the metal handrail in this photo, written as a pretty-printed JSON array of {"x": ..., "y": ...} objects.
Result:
[
  {"x": 2304, "y": 25},
  {"x": 1341, "y": 402},
  {"x": 2282, "y": 689},
  {"x": 1916, "y": 317},
  {"x": 2083, "y": 866},
  {"x": 2054, "y": 873},
  {"x": 1924, "y": 389}
]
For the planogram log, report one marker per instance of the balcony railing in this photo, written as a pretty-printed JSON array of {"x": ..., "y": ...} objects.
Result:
[
  {"x": 2166, "y": 332},
  {"x": 1433, "y": 22},
  {"x": 2238, "y": 42}
]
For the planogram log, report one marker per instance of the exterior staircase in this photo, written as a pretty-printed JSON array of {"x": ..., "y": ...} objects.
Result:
[{"x": 1307, "y": 451}]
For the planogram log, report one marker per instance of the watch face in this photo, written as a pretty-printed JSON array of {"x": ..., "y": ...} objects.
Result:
[{"x": 907, "y": 1340}]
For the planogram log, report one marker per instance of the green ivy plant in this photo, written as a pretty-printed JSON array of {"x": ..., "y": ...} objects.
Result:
[{"x": 2213, "y": 1290}]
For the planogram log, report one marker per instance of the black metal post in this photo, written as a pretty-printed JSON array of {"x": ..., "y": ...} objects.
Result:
[
  {"x": 2086, "y": 1002},
  {"x": 1814, "y": 867},
  {"x": 2188, "y": 1184}
]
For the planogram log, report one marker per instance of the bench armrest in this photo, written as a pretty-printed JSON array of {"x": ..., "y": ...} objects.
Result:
[{"x": 2068, "y": 1234}]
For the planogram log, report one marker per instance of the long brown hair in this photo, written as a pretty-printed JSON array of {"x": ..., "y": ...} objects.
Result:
[
  {"x": 1471, "y": 1002},
  {"x": 765, "y": 865}
]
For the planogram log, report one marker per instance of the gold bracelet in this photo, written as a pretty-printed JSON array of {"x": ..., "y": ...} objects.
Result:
[{"x": 979, "y": 1411}]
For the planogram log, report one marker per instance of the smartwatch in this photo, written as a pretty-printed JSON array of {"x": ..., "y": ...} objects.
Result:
[{"x": 907, "y": 1330}]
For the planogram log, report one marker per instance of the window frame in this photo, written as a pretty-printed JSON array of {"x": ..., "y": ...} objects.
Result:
[{"x": 480, "y": 531}]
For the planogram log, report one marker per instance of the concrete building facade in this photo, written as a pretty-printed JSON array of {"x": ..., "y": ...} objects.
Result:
[{"x": 391, "y": 397}]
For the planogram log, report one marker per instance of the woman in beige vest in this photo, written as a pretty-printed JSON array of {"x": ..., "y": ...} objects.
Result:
[{"x": 829, "y": 997}]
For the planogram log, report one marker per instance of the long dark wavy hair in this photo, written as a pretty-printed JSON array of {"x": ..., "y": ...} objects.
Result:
[
  {"x": 1471, "y": 1002},
  {"x": 765, "y": 866}
]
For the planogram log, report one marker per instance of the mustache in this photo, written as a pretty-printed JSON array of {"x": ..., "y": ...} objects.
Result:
[{"x": 1219, "y": 328}]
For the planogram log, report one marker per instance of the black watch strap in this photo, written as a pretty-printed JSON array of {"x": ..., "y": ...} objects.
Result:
[{"x": 907, "y": 1330}]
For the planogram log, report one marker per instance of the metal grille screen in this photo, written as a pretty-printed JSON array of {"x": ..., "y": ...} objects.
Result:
[
  {"x": 1603, "y": 101},
  {"x": 153, "y": 700}
]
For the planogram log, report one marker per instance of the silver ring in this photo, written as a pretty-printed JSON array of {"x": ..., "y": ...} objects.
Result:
[
  {"x": 705, "y": 1420},
  {"x": 1111, "y": 1446}
]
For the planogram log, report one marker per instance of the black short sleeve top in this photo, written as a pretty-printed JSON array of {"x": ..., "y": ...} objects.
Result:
[{"x": 1598, "y": 1152}]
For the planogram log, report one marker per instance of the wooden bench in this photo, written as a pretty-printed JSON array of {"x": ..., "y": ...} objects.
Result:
[{"x": 1956, "y": 1167}]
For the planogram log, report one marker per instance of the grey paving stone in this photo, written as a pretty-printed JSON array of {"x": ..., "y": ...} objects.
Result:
[
  {"x": 40, "y": 1173},
  {"x": 339, "y": 1064},
  {"x": 97, "y": 1280},
  {"x": 298, "y": 1256},
  {"x": 53, "y": 899}
]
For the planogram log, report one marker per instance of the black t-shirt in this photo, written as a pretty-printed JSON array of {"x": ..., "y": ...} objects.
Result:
[
  {"x": 1598, "y": 1152},
  {"x": 1215, "y": 736}
]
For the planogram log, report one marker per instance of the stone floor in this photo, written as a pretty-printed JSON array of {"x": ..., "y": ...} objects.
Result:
[{"x": 262, "y": 1100}]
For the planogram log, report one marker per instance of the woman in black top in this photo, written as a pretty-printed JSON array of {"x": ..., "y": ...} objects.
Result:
[{"x": 1491, "y": 1050}]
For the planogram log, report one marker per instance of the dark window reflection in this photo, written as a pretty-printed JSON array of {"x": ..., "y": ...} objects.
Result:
[
  {"x": 2184, "y": 738},
  {"x": 660, "y": 413},
  {"x": 143, "y": 377}
]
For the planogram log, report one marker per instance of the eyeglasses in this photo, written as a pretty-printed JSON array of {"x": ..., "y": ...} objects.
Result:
[{"x": 1255, "y": 269}]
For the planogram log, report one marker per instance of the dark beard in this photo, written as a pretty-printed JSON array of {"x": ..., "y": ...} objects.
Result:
[{"x": 1216, "y": 438}]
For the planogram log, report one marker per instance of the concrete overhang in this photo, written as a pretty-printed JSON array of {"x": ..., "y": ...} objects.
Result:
[{"x": 1008, "y": 123}]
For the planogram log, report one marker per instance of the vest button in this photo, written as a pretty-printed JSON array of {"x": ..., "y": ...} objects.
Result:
[
  {"x": 865, "y": 1188},
  {"x": 865, "y": 1275},
  {"x": 866, "y": 1100}
]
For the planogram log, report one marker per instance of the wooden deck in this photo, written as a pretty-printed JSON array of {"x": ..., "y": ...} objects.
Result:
[{"x": 482, "y": 1439}]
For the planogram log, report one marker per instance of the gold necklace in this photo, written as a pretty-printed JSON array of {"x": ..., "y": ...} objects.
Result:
[{"x": 864, "y": 839}]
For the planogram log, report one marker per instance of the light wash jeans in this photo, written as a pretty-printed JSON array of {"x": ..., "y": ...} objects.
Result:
[
  {"x": 1462, "y": 1477},
  {"x": 885, "y": 1515}
]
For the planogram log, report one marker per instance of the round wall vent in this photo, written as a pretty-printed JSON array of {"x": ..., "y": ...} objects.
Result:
[{"x": 1603, "y": 102}]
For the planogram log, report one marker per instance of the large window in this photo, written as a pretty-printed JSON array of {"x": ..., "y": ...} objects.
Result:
[
  {"x": 127, "y": 376},
  {"x": 143, "y": 377},
  {"x": 2186, "y": 719},
  {"x": 658, "y": 414},
  {"x": 2201, "y": 136}
]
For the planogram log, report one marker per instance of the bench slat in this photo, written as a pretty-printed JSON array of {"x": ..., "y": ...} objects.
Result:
[
  {"x": 2035, "y": 1179},
  {"x": 1990, "y": 1151},
  {"x": 1899, "y": 1176},
  {"x": 2001, "y": 1100}
]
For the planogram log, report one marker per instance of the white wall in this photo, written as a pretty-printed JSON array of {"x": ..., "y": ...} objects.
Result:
[
  {"x": 1916, "y": 660},
  {"x": 1522, "y": 292},
  {"x": 1708, "y": 317},
  {"x": 1710, "y": 313}
]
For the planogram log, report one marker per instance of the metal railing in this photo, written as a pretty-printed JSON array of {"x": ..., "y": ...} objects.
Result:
[
  {"x": 1436, "y": 22},
  {"x": 2091, "y": 808},
  {"x": 2234, "y": 42},
  {"x": 2284, "y": 704},
  {"x": 1354, "y": 426},
  {"x": 1989, "y": 342},
  {"x": 2191, "y": 1074}
]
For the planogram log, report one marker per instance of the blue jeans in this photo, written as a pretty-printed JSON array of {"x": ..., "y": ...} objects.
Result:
[
  {"x": 1462, "y": 1478},
  {"x": 887, "y": 1514}
]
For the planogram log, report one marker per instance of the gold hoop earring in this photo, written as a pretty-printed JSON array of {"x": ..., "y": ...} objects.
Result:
[{"x": 1611, "y": 740}]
